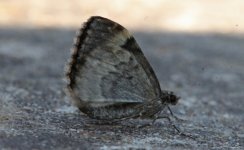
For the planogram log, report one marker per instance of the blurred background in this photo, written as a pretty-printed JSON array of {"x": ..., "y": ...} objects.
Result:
[
  {"x": 195, "y": 47},
  {"x": 192, "y": 16}
]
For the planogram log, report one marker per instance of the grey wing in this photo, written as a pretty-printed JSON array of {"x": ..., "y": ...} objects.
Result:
[{"x": 108, "y": 67}]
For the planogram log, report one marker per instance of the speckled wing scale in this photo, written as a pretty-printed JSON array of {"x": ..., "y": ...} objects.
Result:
[{"x": 108, "y": 77}]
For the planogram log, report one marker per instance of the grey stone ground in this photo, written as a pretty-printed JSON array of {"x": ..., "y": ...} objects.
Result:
[{"x": 206, "y": 70}]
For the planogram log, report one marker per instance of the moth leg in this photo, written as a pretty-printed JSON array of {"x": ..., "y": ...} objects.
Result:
[
  {"x": 171, "y": 113},
  {"x": 145, "y": 125},
  {"x": 153, "y": 117},
  {"x": 176, "y": 128},
  {"x": 171, "y": 123}
]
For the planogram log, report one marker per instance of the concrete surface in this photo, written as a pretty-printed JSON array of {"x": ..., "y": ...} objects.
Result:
[{"x": 206, "y": 70}]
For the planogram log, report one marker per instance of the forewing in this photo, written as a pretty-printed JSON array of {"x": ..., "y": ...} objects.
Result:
[{"x": 108, "y": 67}]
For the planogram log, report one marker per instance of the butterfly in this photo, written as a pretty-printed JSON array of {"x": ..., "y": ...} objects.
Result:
[{"x": 108, "y": 76}]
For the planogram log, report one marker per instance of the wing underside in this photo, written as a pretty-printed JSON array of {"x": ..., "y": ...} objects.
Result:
[{"x": 109, "y": 67}]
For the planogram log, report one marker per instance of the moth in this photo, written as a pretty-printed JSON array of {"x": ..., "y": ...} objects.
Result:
[{"x": 108, "y": 76}]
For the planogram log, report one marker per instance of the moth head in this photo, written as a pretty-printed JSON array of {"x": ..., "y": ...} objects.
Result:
[{"x": 169, "y": 97}]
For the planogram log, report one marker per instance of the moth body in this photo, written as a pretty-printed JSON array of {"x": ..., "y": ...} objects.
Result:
[{"x": 108, "y": 76}]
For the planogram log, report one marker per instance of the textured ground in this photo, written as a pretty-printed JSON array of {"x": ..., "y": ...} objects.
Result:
[{"x": 206, "y": 70}]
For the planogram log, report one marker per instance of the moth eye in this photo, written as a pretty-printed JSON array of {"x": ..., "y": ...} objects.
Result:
[
  {"x": 173, "y": 99},
  {"x": 129, "y": 77}
]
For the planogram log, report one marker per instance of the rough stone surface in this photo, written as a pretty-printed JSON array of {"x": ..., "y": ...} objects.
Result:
[{"x": 206, "y": 70}]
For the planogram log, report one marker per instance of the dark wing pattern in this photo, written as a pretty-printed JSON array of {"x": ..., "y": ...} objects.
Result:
[{"x": 108, "y": 67}]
